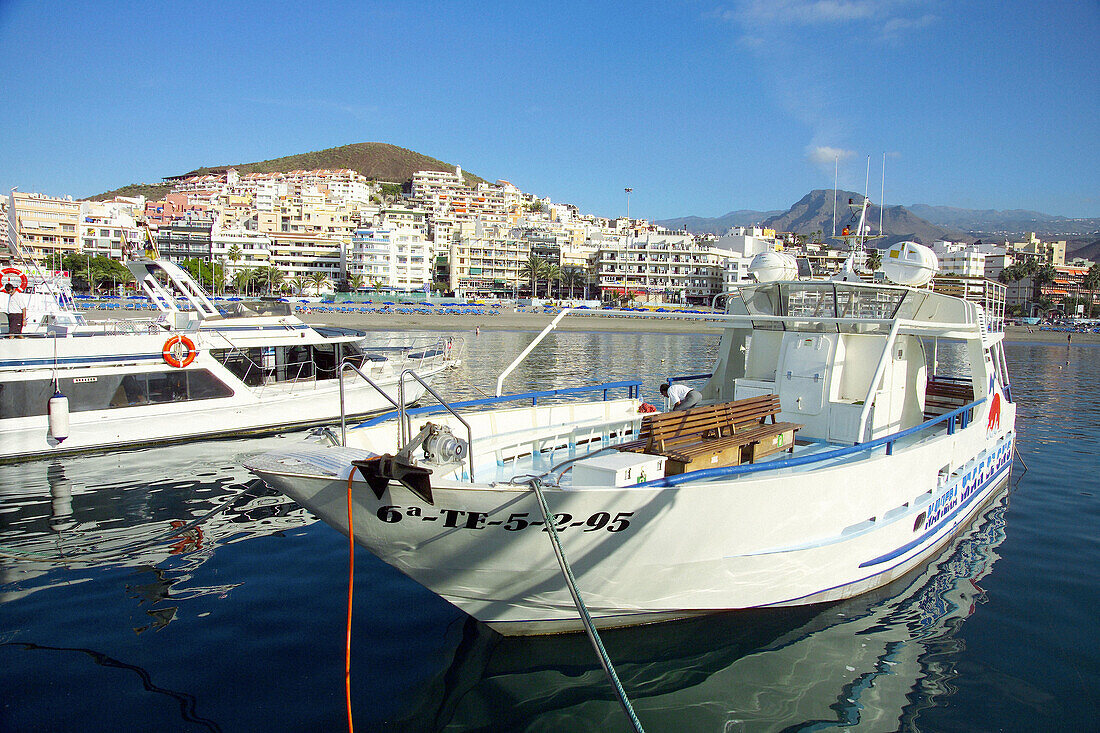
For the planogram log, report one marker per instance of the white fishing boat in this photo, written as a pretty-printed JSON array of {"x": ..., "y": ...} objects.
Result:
[
  {"x": 848, "y": 431},
  {"x": 194, "y": 371},
  {"x": 49, "y": 298}
]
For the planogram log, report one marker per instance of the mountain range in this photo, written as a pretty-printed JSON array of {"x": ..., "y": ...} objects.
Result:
[
  {"x": 922, "y": 222},
  {"x": 1011, "y": 221}
]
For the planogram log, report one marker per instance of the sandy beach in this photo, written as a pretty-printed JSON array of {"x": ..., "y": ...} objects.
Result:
[{"x": 508, "y": 320}]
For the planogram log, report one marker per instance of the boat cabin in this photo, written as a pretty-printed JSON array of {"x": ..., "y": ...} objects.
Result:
[{"x": 851, "y": 362}]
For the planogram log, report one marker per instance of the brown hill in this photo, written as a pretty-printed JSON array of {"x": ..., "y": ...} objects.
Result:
[{"x": 376, "y": 161}]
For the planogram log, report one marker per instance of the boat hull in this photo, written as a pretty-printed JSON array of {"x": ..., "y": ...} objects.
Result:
[
  {"x": 648, "y": 554},
  {"x": 238, "y": 409}
]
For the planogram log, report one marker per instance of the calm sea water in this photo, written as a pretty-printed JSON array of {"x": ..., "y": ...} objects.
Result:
[{"x": 108, "y": 622}]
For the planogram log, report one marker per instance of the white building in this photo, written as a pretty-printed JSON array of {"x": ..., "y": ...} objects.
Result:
[
  {"x": 661, "y": 268},
  {"x": 959, "y": 259},
  {"x": 107, "y": 226},
  {"x": 252, "y": 249},
  {"x": 393, "y": 258}
]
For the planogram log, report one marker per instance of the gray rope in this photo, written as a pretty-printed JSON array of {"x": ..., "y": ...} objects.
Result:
[{"x": 586, "y": 619}]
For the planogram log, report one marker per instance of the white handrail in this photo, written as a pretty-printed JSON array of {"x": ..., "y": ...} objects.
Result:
[
  {"x": 869, "y": 400},
  {"x": 552, "y": 325}
]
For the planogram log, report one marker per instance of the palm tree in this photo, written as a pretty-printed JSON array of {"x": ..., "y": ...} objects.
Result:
[
  {"x": 534, "y": 268},
  {"x": 242, "y": 279},
  {"x": 318, "y": 280},
  {"x": 299, "y": 284},
  {"x": 356, "y": 281},
  {"x": 572, "y": 276},
  {"x": 551, "y": 273},
  {"x": 1091, "y": 283},
  {"x": 874, "y": 260},
  {"x": 272, "y": 277},
  {"x": 234, "y": 254},
  {"x": 1045, "y": 275}
]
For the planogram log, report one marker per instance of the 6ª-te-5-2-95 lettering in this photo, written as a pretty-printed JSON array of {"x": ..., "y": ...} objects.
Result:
[{"x": 516, "y": 522}]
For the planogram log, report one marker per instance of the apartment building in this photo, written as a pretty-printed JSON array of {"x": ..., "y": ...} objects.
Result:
[
  {"x": 1068, "y": 283},
  {"x": 660, "y": 268},
  {"x": 395, "y": 259},
  {"x": 45, "y": 227},
  {"x": 238, "y": 249},
  {"x": 185, "y": 239},
  {"x": 109, "y": 228},
  {"x": 1050, "y": 253},
  {"x": 959, "y": 259},
  {"x": 311, "y": 213},
  {"x": 489, "y": 263},
  {"x": 303, "y": 254},
  {"x": 398, "y": 217},
  {"x": 437, "y": 185},
  {"x": 174, "y": 207}
]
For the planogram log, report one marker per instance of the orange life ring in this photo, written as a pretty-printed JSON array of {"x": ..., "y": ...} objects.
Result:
[
  {"x": 179, "y": 351},
  {"x": 9, "y": 274}
]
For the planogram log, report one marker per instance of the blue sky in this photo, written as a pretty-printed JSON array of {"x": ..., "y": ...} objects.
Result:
[{"x": 700, "y": 107}]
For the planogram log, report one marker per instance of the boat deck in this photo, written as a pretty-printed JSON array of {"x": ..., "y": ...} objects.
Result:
[{"x": 558, "y": 459}]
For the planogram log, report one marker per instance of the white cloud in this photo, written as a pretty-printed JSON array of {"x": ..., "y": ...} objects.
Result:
[
  {"x": 900, "y": 25},
  {"x": 805, "y": 12},
  {"x": 767, "y": 17},
  {"x": 823, "y": 155}
]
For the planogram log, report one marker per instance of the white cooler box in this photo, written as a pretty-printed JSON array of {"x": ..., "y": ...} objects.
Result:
[{"x": 618, "y": 469}]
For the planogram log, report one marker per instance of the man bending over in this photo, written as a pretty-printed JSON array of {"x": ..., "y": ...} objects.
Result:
[{"x": 681, "y": 397}]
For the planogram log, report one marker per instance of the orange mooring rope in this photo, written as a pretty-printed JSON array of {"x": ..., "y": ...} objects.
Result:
[{"x": 351, "y": 586}]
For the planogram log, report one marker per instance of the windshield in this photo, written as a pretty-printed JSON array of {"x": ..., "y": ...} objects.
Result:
[{"x": 818, "y": 300}]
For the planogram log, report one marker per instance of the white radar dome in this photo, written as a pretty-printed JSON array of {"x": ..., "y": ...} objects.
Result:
[
  {"x": 768, "y": 267},
  {"x": 909, "y": 263}
]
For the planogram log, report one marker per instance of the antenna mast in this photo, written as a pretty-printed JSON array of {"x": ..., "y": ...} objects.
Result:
[
  {"x": 836, "y": 170},
  {"x": 863, "y": 211},
  {"x": 882, "y": 194}
]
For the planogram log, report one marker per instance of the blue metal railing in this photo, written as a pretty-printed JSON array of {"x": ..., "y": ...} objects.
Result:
[
  {"x": 688, "y": 378},
  {"x": 633, "y": 387},
  {"x": 961, "y": 415}
]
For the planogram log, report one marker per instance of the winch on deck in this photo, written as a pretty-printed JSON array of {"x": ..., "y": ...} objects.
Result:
[{"x": 440, "y": 449}]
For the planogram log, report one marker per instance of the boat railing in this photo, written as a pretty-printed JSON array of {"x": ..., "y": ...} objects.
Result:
[
  {"x": 633, "y": 387},
  {"x": 688, "y": 378},
  {"x": 344, "y": 366},
  {"x": 126, "y": 326},
  {"x": 960, "y": 416},
  {"x": 405, "y": 424}
]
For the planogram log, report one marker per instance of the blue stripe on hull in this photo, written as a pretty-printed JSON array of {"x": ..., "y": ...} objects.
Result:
[
  {"x": 80, "y": 360},
  {"x": 932, "y": 532},
  {"x": 997, "y": 477}
]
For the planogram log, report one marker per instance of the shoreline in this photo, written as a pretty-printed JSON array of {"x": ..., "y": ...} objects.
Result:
[{"x": 583, "y": 321}]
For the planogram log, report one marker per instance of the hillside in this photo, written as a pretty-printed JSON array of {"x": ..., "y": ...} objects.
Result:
[
  {"x": 1090, "y": 251},
  {"x": 1012, "y": 221},
  {"x": 151, "y": 191},
  {"x": 376, "y": 161},
  {"x": 814, "y": 212},
  {"x": 719, "y": 224}
]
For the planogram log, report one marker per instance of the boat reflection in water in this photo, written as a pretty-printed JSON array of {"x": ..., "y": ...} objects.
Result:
[
  {"x": 875, "y": 661},
  {"x": 102, "y": 512}
]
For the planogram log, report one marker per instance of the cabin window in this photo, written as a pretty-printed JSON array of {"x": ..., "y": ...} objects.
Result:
[
  {"x": 29, "y": 398},
  {"x": 258, "y": 366}
]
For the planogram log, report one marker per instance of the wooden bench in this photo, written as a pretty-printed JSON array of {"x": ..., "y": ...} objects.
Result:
[
  {"x": 726, "y": 434},
  {"x": 944, "y": 395}
]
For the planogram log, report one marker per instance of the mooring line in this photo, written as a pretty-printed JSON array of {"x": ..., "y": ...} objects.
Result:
[{"x": 586, "y": 619}]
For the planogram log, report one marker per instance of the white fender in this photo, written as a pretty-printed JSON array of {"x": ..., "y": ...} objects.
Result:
[{"x": 58, "y": 410}]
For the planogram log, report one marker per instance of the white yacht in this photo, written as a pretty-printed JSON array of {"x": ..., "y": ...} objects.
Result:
[
  {"x": 848, "y": 431},
  {"x": 192, "y": 372}
]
